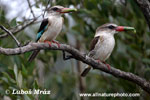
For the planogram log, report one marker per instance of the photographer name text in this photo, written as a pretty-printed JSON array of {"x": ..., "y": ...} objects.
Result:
[{"x": 30, "y": 91}]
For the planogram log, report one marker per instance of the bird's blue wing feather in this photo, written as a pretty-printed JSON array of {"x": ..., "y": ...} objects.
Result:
[
  {"x": 40, "y": 33},
  {"x": 42, "y": 28}
]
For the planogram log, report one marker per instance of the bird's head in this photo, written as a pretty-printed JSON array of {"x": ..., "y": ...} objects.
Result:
[
  {"x": 112, "y": 29},
  {"x": 59, "y": 10}
]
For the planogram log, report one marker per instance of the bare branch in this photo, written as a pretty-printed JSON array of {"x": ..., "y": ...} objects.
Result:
[
  {"x": 46, "y": 7},
  {"x": 31, "y": 8},
  {"x": 145, "y": 7},
  {"x": 145, "y": 85},
  {"x": 17, "y": 29},
  {"x": 6, "y": 30}
]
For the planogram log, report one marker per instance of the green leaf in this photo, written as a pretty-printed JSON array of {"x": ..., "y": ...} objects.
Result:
[
  {"x": 24, "y": 71},
  {"x": 146, "y": 60},
  {"x": 26, "y": 97},
  {"x": 15, "y": 71},
  {"x": 19, "y": 79},
  {"x": 35, "y": 85},
  {"x": 4, "y": 79},
  {"x": 6, "y": 75},
  {"x": 19, "y": 22},
  {"x": 13, "y": 22},
  {"x": 37, "y": 5}
]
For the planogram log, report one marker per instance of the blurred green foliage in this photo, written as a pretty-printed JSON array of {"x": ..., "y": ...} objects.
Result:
[{"x": 49, "y": 71}]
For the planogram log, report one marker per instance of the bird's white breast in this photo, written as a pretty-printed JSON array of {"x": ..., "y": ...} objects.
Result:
[
  {"x": 104, "y": 47},
  {"x": 54, "y": 28}
]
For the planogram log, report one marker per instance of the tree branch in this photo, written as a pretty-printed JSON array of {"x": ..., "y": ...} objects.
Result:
[
  {"x": 6, "y": 30},
  {"x": 31, "y": 9},
  {"x": 18, "y": 29},
  {"x": 46, "y": 7},
  {"x": 145, "y": 85},
  {"x": 145, "y": 7}
]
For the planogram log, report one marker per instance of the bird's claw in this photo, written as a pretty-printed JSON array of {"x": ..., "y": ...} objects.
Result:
[
  {"x": 108, "y": 66},
  {"x": 48, "y": 43},
  {"x": 56, "y": 43}
]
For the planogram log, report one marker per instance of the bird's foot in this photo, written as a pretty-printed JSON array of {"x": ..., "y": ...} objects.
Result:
[
  {"x": 108, "y": 66},
  {"x": 56, "y": 43},
  {"x": 48, "y": 42}
]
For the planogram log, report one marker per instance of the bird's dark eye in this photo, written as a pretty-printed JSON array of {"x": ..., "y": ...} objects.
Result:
[
  {"x": 55, "y": 9},
  {"x": 111, "y": 27}
]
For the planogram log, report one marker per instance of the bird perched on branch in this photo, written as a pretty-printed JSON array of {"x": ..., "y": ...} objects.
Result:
[
  {"x": 103, "y": 43},
  {"x": 51, "y": 26}
]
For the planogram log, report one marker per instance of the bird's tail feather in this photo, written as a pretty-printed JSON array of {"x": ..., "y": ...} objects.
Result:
[
  {"x": 33, "y": 55},
  {"x": 86, "y": 70}
]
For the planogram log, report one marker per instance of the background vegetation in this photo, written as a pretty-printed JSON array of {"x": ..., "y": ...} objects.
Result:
[{"x": 49, "y": 71}]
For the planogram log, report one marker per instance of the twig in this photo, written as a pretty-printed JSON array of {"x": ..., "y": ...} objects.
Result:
[
  {"x": 46, "y": 8},
  {"x": 6, "y": 30},
  {"x": 31, "y": 8},
  {"x": 145, "y": 7},
  {"x": 145, "y": 85},
  {"x": 17, "y": 30}
]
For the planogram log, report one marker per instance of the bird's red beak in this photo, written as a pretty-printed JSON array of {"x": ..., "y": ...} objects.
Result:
[
  {"x": 125, "y": 28},
  {"x": 67, "y": 10},
  {"x": 120, "y": 28}
]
